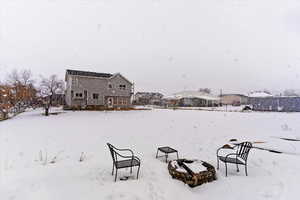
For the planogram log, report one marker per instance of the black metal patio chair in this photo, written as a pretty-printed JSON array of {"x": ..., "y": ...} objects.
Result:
[
  {"x": 238, "y": 158},
  {"x": 127, "y": 161}
]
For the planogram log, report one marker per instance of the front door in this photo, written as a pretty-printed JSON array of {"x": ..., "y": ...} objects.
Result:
[{"x": 110, "y": 102}]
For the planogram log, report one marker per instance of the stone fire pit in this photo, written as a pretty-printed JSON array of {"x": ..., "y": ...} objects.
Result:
[{"x": 192, "y": 172}]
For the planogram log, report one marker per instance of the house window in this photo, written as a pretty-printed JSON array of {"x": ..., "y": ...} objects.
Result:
[
  {"x": 95, "y": 96},
  {"x": 78, "y": 95},
  {"x": 110, "y": 86},
  {"x": 122, "y": 87}
]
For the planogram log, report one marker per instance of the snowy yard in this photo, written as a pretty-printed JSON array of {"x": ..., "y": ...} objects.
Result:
[{"x": 195, "y": 134}]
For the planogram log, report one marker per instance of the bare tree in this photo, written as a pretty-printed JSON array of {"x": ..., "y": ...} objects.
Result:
[
  {"x": 26, "y": 77},
  {"x": 23, "y": 91},
  {"x": 13, "y": 78},
  {"x": 48, "y": 88},
  {"x": 5, "y": 99}
]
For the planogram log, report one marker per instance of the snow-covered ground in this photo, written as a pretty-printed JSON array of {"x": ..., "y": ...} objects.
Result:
[{"x": 195, "y": 134}]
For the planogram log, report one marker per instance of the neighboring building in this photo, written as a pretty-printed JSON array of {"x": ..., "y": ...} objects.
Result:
[
  {"x": 192, "y": 99},
  {"x": 97, "y": 90},
  {"x": 234, "y": 99},
  {"x": 148, "y": 98},
  {"x": 278, "y": 104}
]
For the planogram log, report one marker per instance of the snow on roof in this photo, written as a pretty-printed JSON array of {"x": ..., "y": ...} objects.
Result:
[
  {"x": 260, "y": 94},
  {"x": 192, "y": 94}
]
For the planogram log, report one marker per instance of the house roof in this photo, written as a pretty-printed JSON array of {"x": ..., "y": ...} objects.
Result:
[
  {"x": 240, "y": 95},
  {"x": 260, "y": 94},
  {"x": 193, "y": 94},
  {"x": 87, "y": 73},
  {"x": 94, "y": 74}
]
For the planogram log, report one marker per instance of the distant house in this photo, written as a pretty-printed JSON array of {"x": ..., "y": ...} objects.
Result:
[
  {"x": 148, "y": 98},
  {"x": 278, "y": 104},
  {"x": 192, "y": 99},
  {"x": 234, "y": 99},
  {"x": 97, "y": 90}
]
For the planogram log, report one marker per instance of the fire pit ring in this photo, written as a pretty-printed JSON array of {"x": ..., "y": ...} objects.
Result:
[{"x": 189, "y": 177}]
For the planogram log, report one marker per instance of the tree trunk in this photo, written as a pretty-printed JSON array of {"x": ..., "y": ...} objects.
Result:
[
  {"x": 47, "y": 111},
  {"x": 47, "y": 107}
]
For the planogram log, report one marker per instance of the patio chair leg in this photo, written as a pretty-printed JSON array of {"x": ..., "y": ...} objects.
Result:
[
  {"x": 137, "y": 174},
  {"x": 246, "y": 170},
  {"x": 131, "y": 170},
  {"x": 113, "y": 169},
  {"x": 157, "y": 153},
  {"x": 217, "y": 163},
  {"x": 177, "y": 155},
  {"x": 166, "y": 158},
  {"x": 116, "y": 175},
  {"x": 237, "y": 167},
  {"x": 226, "y": 168}
]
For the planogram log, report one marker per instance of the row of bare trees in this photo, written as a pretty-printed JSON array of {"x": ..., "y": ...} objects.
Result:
[{"x": 20, "y": 91}]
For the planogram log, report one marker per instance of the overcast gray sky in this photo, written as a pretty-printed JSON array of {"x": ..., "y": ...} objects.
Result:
[{"x": 161, "y": 45}]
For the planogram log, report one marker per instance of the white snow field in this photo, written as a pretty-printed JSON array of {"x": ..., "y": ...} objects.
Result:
[{"x": 26, "y": 139}]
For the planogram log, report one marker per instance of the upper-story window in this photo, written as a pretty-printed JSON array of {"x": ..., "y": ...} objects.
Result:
[
  {"x": 122, "y": 87},
  {"x": 110, "y": 86},
  {"x": 78, "y": 95},
  {"x": 95, "y": 96}
]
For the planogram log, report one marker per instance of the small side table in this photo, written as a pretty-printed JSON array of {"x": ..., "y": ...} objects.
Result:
[{"x": 166, "y": 150}]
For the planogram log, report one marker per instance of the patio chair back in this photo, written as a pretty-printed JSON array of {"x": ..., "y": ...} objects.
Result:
[
  {"x": 243, "y": 150},
  {"x": 125, "y": 161},
  {"x": 112, "y": 152}
]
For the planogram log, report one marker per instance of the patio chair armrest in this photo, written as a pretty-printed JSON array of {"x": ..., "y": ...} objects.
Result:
[
  {"x": 137, "y": 158},
  {"x": 125, "y": 150},
  {"x": 231, "y": 154},
  {"x": 223, "y": 148},
  {"x": 124, "y": 156}
]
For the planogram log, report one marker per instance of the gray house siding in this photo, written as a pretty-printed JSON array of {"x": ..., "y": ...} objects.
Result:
[
  {"x": 95, "y": 91},
  {"x": 92, "y": 86},
  {"x": 68, "y": 91}
]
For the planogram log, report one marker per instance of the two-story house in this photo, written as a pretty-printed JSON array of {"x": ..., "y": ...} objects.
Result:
[{"x": 86, "y": 89}]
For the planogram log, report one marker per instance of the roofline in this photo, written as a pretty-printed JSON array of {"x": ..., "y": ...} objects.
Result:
[
  {"x": 243, "y": 95},
  {"x": 119, "y": 74},
  {"x": 69, "y": 70},
  {"x": 104, "y": 78}
]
